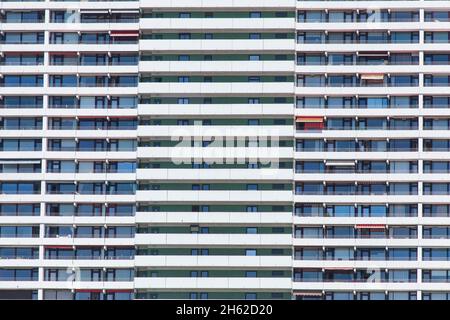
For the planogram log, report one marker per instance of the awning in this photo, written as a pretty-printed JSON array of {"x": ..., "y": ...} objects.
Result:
[
  {"x": 309, "y": 119},
  {"x": 370, "y": 226},
  {"x": 130, "y": 33},
  {"x": 122, "y": 117},
  {"x": 338, "y": 268},
  {"x": 54, "y": 53},
  {"x": 93, "y": 11},
  {"x": 340, "y": 163},
  {"x": 308, "y": 294},
  {"x": 372, "y": 54},
  {"x": 372, "y": 76},
  {"x": 88, "y": 290}
]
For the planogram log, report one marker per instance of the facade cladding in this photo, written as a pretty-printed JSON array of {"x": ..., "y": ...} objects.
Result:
[{"x": 332, "y": 117}]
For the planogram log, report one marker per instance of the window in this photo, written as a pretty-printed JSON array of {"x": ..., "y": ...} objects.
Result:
[
  {"x": 184, "y": 36},
  {"x": 250, "y": 296},
  {"x": 183, "y": 101},
  {"x": 184, "y": 15}
]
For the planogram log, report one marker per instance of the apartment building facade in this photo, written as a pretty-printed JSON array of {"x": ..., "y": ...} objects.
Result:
[{"x": 187, "y": 149}]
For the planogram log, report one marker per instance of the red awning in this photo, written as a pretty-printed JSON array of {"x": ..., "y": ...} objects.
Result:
[
  {"x": 313, "y": 126},
  {"x": 309, "y": 119}
]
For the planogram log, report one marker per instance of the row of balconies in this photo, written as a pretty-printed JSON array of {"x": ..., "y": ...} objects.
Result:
[
  {"x": 73, "y": 112},
  {"x": 213, "y": 239},
  {"x": 215, "y": 109},
  {"x": 222, "y": 67},
  {"x": 361, "y": 112},
  {"x": 226, "y": 283},
  {"x": 91, "y": 4},
  {"x": 371, "y": 69},
  {"x": 364, "y": 242},
  {"x": 372, "y": 26},
  {"x": 148, "y": 109},
  {"x": 371, "y": 286},
  {"x": 168, "y": 239},
  {"x": 229, "y": 4},
  {"x": 67, "y": 69},
  {"x": 68, "y": 198},
  {"x": 66, "y": 263},
  {"x": 81, "y": 134},
  {"x": 104, "y": 155},
  {"x": 369, "y": 155},
  {"x": 280, "y": 131},
  {"x": 349, "y": 265},
  {"x": 225, "y": 24},
  {"x": 97, "y": 177},
  {"x": 214, "y": 217},
  {"x": 157, "y": 283},
  {"x": 229, "y": 88},
  {"x": 370, "y": 221},
  {"x": 364, "y": 134},
  {"x": 113, "y": 47},
  {"x": 68, "y": 285},
  {"x": 283, "y": 45},
  {"x": 369, "y": 198},
  {"x": 34, "y": 17},
  {"x": 224, "y": 218},
  {"x": 216, "y": 66},
  {"x": 202, "y": 24},
  {"x": 292, "y": 4},
  {"x": 227, "y": 261},
  {"x": 82, "y": 91},
  {"x": 72, "y": 220},
  {"x": 370, "y": 177},
  {"x": 66, "y": 241},
  {"x": 187, "y": 153},
  {"x": 213, "y": 196},
  {"x": 177, "y": 217}
]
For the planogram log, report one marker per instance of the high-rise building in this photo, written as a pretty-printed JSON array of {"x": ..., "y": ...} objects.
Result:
[{"x": 232, "y": 149}]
